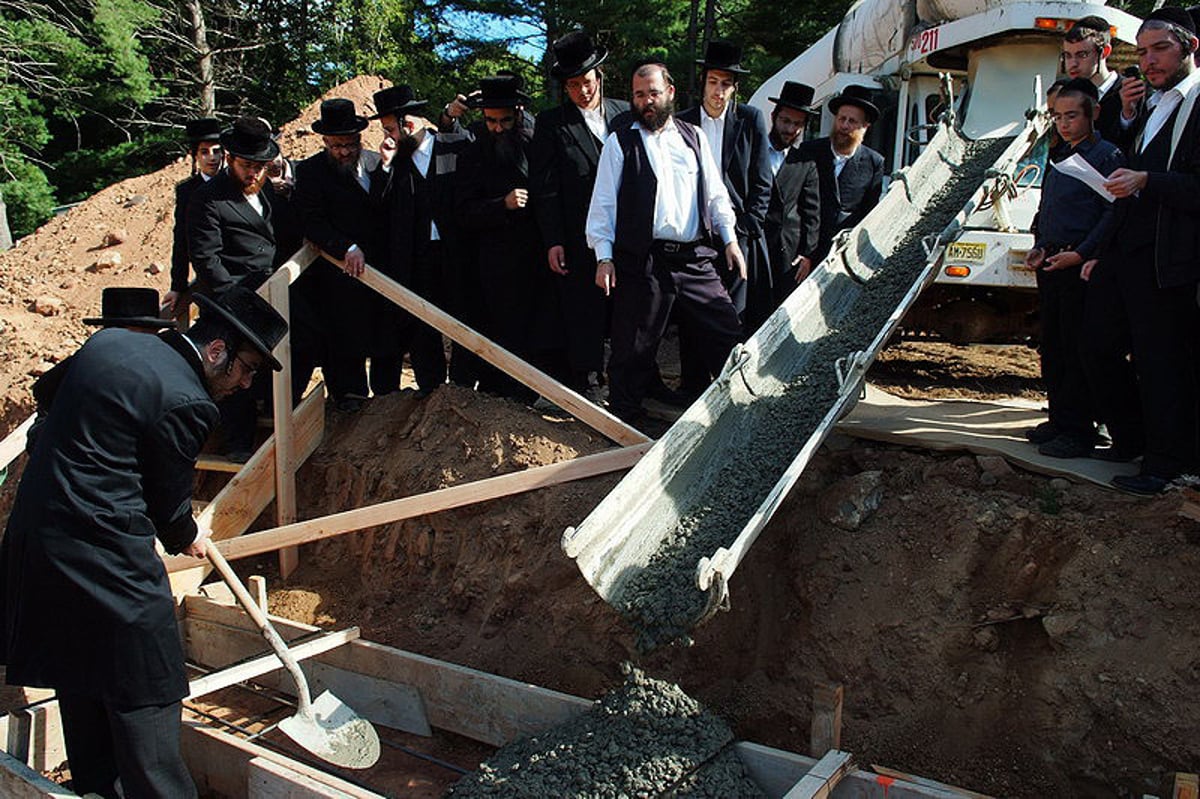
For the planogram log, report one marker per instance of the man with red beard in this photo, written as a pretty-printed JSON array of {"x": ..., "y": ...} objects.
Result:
[
  {"x": 1141, "y": 299},
  {"x": 659, "y": 213},
  {"x": 231, "y": 238}
]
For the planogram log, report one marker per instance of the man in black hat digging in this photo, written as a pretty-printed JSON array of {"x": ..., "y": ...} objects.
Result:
[
  {"x": 492, "y": 196},
  {"x": 793, "y": 224},
  {"x": 851, "y": 173},
  {"x": 338, "y": 197},
  {"x": 204, "y": 147},
  {"x": 85, "y": 604},
  {"x": 424, "y": 241},
  {"x": 566, "y": 150}
]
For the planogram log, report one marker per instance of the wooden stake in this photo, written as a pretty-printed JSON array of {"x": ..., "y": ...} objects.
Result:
[
  {"x": 422, "y": 504},
  {"x": 826, "y": 719},
  {"x": 257, "y": 584},
  {"x": 285, "y": 477},
  {"x": 590, "y": 414},
  {"x": 14, "y": 443}
]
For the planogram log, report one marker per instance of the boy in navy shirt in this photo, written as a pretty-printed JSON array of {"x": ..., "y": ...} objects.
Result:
[{"x": 1071, "y": 224}]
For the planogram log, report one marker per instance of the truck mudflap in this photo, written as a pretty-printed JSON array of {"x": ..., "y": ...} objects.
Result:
[{"x": 664, "y": 544}]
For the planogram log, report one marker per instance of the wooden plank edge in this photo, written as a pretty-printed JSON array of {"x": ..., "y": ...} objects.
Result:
[
  {"x": 19, "y": 781},
  {"x": 270, "y": 662},
  {"x": 14, "y": 443}
]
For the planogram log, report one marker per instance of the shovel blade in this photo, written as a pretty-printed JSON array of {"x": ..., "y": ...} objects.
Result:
[{"x": 335, "y": 733}]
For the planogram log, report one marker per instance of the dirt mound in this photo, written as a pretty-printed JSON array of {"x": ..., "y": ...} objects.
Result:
[
  {"x": 63, "y": 266},
  {"x": 1022, "y": 638}
]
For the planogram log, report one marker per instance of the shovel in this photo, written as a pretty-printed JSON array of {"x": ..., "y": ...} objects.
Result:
[{"x": 327, "y": 727}]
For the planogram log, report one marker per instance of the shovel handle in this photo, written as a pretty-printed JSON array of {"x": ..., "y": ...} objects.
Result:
[{"x": 264, "y": 625}]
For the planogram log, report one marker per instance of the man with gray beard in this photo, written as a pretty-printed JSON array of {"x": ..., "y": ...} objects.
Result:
[
  {"x": 338, "y": 198},
  {"x": 658, "y": 211}
]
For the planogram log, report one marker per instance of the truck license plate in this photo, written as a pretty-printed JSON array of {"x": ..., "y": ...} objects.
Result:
[{"x": 970, "y": 252}]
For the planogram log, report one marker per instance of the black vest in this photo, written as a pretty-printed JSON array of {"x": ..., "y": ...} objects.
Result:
[
  {"x": 1139, "y": 227},
  {"x": 422, "y": 198},
  {"x": 634, "y": 231}
]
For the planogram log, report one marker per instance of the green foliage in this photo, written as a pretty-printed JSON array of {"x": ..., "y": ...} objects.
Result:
[
  {"x": 118, "y": 24},
  {"x": 27, "y": 193}
]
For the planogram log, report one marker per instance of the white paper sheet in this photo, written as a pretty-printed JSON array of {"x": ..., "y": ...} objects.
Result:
[{"x": 1076, "y": 167}]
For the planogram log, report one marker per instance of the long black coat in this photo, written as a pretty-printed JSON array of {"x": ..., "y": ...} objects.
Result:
[
  {"x": 793, "y": 223},
  {"x": 229, "y": 242},
  {"x": 86, "y": 604},
  {"x": 846, "y": 200},
  {"x": 563, "y": 162},
  {"x": 179, "y": 246},
  {"x": 336, "y": 212}
]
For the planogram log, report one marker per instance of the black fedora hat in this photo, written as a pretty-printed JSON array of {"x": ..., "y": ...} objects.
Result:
[
  {"x": 723, "y": 55},
  {"x": 122, "y": 306},
  {"x": 252, "y": 316},
  {"x": 396, "y": 100},
  {"x": 250, "y": 138},
  {"x": 204, "y": 129},
  {"x": 1174, "y": 15},
  {"x": 500, "y": 91},
  {"x": 338, "y": 118},
  {"x": 575, "y": 54},
  {"x": 859, "y": 96},
  {"x": 796, "y": 95}
]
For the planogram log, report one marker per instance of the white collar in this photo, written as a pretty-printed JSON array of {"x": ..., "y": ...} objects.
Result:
[
  {"x": 705, "y": 115},
  {"x": 1108, "y": 83},
  {"x": 426, "y": 146}
]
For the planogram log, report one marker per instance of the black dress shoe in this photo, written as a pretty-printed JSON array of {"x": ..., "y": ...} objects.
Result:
[
  {"x": 1147, "y": 485},
  {"x": 1116, "y": 455},
  {"x": 1041, "y": 434},
  {"x": 1065, "y": 446}
]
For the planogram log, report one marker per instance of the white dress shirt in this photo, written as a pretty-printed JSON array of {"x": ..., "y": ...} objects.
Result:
[
  {"x": 596, "y": 122},
  {"x": 422, "y": 159},
  {"x": 1163, "y": 104},
  {"x": 777, "y": 157},
  {"x": 255, "y": 202},
  {"x": 360, "y": 173},
  {"x": 676, "y": 210},
  {"x": 714, "y": 129},
  {"x": 1109, "y": 82},
  {"x": 839, "y": 161}
]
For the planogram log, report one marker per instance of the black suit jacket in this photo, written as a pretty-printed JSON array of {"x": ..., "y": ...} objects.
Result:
[
  {"x": 1109, "y": 123},
  {"x": 229, "y": 242},
  {"x": 399, "y": 196},
  {"x": 744, "y": 163},
  {"x": 849, "y": 198},
  {"x": 562, "y": 168},
  {"x": 793, "y": 223},
  {"x": 86, "y": 604},
  {"x": 336, "y": 212}
]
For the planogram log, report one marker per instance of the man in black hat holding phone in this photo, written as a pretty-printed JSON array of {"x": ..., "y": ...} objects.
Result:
[
  {"x": 851, "y": 173},
  {"x": 793, "y": 222},
  {"x": 204, "y": 147},
  {"x": 425, "y": 244},
  {"x": 1141, "y": 298},
  {"x": 566, "y": 149},
  {"x": 338, "y": 196},
  {"x": 492, "y": 196},
  {"x": 85, "y": 603}
]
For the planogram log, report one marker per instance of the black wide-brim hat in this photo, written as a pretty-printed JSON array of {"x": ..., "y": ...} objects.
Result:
[
  {"x": 396, "y": 100},
  {"x": 576, "y": 54},
  {"x": 858, "y": 96},
  {"x": 796, "y": 95},
  {"x": 260, "y": 324},
  {"x": 500, "y": 91},
  {"x": 202, "y": 130},
  {"x": 338, "y": 118},
  {"x": 723, "y": 55},
  {"x": 129, "y": 307},
  {"x": 250, "y": 138}
]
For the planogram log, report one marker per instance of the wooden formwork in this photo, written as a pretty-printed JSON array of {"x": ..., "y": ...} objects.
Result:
[{"x": 397, "y": 691}]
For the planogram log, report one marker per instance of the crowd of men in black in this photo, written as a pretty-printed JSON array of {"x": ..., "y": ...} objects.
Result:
[
  {"x": 488, "y": 222},
  {"x": 1118, "y": 278}
]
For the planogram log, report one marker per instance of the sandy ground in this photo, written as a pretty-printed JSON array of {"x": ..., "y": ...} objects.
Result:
[{"x": 1003, "y": 632}]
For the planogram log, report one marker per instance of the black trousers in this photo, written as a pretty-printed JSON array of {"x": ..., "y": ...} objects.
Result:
[
  {"x": 1061, "y": 296},
  {"x": 1149, "y": 404},
  {"x": 431, "y": 279},
  {"x": 585, "y": 311},
  {"x": 360, "y": 324},
  {"x": 139, "y": 745},
  {"x": 643, "y": 299},
  {"x": 693, "y": 372}
]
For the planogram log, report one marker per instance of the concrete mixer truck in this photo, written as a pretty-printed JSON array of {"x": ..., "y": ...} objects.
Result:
[{"x": 987, "y": 63}]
